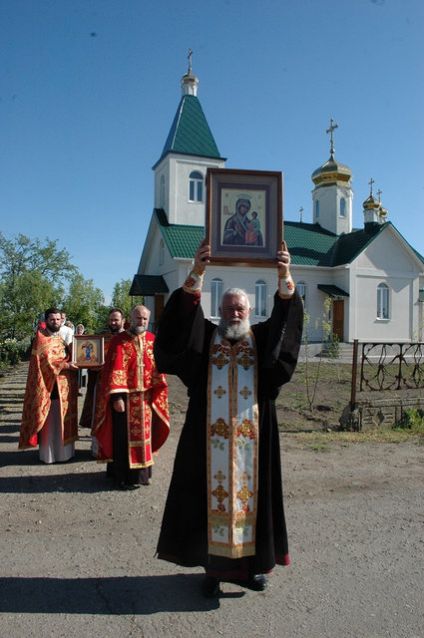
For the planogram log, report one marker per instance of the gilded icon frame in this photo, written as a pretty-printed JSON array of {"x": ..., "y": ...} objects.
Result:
[
  {"x": 244, "y": 216},
  {"x": 88, "y": 351}
]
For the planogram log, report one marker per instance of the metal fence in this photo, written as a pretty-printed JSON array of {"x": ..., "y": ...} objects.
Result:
[{"x": 387, "y": 366}]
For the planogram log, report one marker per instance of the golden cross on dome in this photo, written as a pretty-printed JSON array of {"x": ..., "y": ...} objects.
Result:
[
  {"x": 189, "y": 56},
  {"x": 371, "y": 182},
  {"x": 330, "y": 130},
  {"x": 379, "y": 193}
]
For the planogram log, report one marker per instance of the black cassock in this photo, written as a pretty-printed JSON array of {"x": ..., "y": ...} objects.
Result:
[{"x": 182, "y": 348}]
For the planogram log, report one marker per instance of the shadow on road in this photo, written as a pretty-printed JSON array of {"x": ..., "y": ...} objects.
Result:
[
  {"x": 137, "y": 595},
  {"x": 86, "y": 482}
]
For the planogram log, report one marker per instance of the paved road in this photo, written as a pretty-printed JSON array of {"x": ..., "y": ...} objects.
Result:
[{"x": 77, "y": 558}]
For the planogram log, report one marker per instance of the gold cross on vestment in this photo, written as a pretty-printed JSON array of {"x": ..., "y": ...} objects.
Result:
[
  {"x": 245, "y": 361},
  {"x": 245, "y": 392},
  {"x": 220, "y": 476},
  {"x": 243, "y": 495},
  {"x": 220, "y": 391},
  {"x": 220, "y": 361}
]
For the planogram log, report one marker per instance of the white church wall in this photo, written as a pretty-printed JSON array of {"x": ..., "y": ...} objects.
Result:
[
  {"x": 387, "y": 254},
  {"x": 314, "y": 298},
  {"x": 177, "y": 170},
  {"x": 398, "y": 325},
  {"x": 329, "y": 216},
  {"x": 387, "y": 260}
]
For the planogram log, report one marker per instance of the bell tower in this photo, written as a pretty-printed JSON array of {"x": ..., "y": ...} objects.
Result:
[{"x": 332, "y": 196}]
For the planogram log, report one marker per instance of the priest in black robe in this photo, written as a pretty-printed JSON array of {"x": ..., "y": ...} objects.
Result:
[{"x": 226, "y": 518}]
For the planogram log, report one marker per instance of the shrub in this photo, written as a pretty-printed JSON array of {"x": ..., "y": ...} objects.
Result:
[
  {"x": 412, "y": 419},
  {"x": 12, "y": 351}
]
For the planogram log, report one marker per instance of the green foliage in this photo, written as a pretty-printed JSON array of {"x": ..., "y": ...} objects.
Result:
[
  {"x": 121, "y": 298},
  {"x": 12, "y": 351},
  {"x": 412, "y": 419},
  {"x": 312, "y": 373},
  {"x": 84, "y": 303},
  {"x": 32, "y": 277},
  {"x": 36, "y": 274}
]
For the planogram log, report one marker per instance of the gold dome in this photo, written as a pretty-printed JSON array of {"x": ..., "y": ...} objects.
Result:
[{"x": 331, "y": 172}]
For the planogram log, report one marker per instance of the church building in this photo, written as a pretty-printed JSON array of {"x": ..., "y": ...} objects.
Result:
[{"x": 372, "y": 275}]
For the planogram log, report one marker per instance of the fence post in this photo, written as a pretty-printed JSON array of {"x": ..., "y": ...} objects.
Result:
[{"x": 354, "y": 373}]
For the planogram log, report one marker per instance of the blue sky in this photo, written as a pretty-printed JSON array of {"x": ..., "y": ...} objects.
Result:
[{"x": 89, "y": 89}]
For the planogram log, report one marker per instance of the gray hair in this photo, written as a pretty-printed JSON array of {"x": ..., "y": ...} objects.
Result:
[{"x": 239, "y": 292}]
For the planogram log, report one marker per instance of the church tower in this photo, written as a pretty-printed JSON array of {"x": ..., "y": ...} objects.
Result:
[
  {"x": 332, "y": 196},
  {"x": 374, "y": 213},
  {"x": 189, "y": 150}
]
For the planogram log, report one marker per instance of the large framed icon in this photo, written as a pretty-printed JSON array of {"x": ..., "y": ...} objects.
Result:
[{"x": 244, "y": 216}]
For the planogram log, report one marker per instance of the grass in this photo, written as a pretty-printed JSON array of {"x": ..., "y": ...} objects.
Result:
[{"x": 319, "y": 427}]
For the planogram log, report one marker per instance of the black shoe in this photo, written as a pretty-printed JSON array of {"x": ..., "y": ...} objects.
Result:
[
  {"x": 210, "y": 587},
  {"x": 257, "y": 582},
  {"x": 128, "y": 486}
]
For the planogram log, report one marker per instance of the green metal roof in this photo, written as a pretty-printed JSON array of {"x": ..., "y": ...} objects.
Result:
[
  {"x": 190, "y": 133},
  {"x": 182, "y": 240},
  {"x": 333, "y": 291},
  {"x": 147, "y": 285},
  {"x": 309, "y": 244}
]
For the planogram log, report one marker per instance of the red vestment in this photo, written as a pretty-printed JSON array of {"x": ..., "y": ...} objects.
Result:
[
  {"x": 130, "y": 369},
  {"x": 48, "y": 357}
]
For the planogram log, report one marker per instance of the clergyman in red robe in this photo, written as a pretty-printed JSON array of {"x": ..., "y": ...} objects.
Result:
[
  {"x": 133, "y": 420},
  {"x": 49, "y": 417}
]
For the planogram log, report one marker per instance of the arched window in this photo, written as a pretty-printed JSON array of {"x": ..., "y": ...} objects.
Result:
[
  {"x": 301, "y": 289},
  {"x": 382, "y": 301},
  {"x": 216, "y": 294},
  {"x": 260, "y": 298},
  {"x": 316, "y": 209},
  {"x": 162, "y": 192},
  {"x": 195, "y": 189},
  {"x": 161, "y": 252},
  {"x": 342, "y": 207}
]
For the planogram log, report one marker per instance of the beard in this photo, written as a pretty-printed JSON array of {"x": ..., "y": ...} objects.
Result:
[
  {"x": 234, "y": 331},
  {"x": 115, "y": 329},
  {"x": 137, "y": 330},
  {"x": 53, "y": 328}
]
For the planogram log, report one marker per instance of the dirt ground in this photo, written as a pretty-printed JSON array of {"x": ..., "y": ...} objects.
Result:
[{"x": 78, "y": 558}]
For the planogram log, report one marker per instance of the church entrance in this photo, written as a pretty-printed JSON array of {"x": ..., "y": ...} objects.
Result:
[
  {"x": 338, "y": 318},
  {"x": 159, "y": 306}
]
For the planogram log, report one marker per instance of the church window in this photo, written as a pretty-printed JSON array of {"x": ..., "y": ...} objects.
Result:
[
  {"x": 196, "y": 187},
  {"x": 260, "y": 298},
  {"x": 316, "y": 209},
  {"x": 382, "y": 301},
  {"x": 161, "y": 252},
  {"x": 342, "y": 207},
  {"x": 301, "y": 289},
  {"x": 216, "y": 294},
  {"x": 162, "y": 192}
]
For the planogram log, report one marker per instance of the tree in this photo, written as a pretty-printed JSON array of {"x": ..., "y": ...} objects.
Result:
[
  {"x": 32, "y": 277},
  {"x": 84, "y": 303},
  {"x": 121, "y": 297}
]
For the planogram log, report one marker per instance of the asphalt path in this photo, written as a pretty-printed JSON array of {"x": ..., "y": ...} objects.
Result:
[{"x": 78, "y": 557}]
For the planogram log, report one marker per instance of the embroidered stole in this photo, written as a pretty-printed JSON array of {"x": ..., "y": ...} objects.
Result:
[{"x": 232, "y": 447}]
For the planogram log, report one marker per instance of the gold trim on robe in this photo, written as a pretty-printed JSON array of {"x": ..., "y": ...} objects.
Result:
[
  {"x": 48, "y": 357},
  {"x": 232, "y": 447},
  {"x": 130, "y": 369}
]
